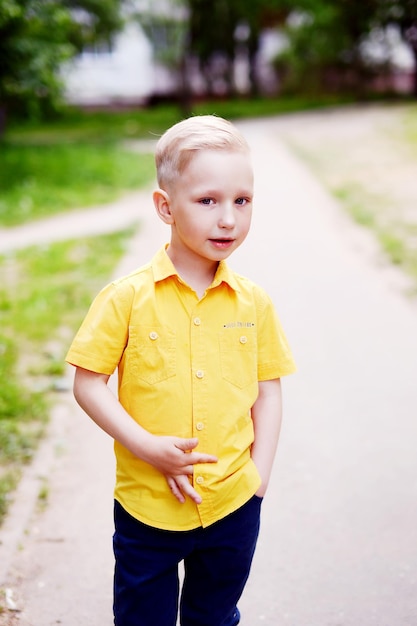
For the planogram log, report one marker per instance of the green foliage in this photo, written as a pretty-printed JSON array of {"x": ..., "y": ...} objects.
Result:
[
  {"x": 168, "y": 36},
  {"x": 234, "y": 26},
  {"x": 36, "y": 37},
  {"x": 324, "y": 45}
]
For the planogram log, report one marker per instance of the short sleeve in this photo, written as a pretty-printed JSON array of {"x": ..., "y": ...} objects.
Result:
[
  {"x": 274, "y": 354},
  {"x": 100, "y": 342}
]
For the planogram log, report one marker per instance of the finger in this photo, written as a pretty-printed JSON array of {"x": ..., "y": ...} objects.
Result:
[
  {"x": 200, "y": 457},
  {"x": 187, "y": 489},
  {"x": 175, "y": 490},
  {"x": 186, "y": 444},
  {"x": 193, "y": 460}
]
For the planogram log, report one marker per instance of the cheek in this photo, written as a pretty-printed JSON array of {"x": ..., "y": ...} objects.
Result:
[
  {"x": 246, "y": 223},
  {"x": 194, "y": 225}
]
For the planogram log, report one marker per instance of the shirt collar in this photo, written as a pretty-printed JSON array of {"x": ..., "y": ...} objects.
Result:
[
  {"x": 162, "y": 265},
  {"x": 225, "y": 275},
  {"x": 163, "y": 268}
]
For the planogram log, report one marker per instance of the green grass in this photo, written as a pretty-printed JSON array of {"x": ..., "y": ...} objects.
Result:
[
  {"x": 76, "y": 125},
  {"x": 362, "y": 207},
  {"x": 410, "y": 127},
  {"x": 371, "y": 173},
  {"x": 81, "y": 158},
  {"x": 45, "y": 292},
  {"x": 8, "y": 482},
  {"x": 40, "y": 180},
  {"x": 358, "y": 203}
]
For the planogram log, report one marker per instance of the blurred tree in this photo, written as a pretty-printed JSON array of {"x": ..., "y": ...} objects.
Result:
[
  {"x": 218, "y": 30},
  {"x": 212, "y": 32},
  {"x": 325, "y": 40},
  {"x": 168, "y": 33},
  {"x": 404, "y": 14},
  {"x": 36, "y": 37}
]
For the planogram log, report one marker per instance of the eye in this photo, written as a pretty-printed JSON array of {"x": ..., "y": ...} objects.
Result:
[
  {"x": 241, "y": 201},
  {"x": 206, "y": 201}
]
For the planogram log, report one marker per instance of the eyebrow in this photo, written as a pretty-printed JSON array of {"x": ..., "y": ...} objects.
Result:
[{"x": 216, "y": 192}]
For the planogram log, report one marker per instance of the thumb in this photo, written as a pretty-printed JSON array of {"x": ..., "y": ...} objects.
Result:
[{"x": 187, "y": 444}]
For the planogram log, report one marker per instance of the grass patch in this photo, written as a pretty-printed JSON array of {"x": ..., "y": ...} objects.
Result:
[
  {"x": 45, "y": 292},
  {"x": 394, "y": 247},
  {"x": 80, "y": 159},
  {"x": 361, "y": 206},
  {"x": 371, "y": 171},
  {"x": 8, "y": 482},
  {"x": 40, "y": 180},
  {"x": 353, "y": 199},
  {"x": 397, "y": 239},
  {"x": 410, "y": 127},
  {"x": 76, "y": 125}
]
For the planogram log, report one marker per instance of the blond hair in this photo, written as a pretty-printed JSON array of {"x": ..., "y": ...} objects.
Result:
[{"x": 179, "y": 144}]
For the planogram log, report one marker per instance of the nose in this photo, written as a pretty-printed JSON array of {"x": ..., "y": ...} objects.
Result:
[{"x": 227, "y": 217}]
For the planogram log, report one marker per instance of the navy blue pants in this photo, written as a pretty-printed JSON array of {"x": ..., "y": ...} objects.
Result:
[{"x": 217, "y": 561}]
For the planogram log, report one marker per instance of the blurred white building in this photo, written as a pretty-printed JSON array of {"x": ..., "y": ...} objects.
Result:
[
  {"x": 125, "y": 72},
  {"x": 121, "y": 73}
]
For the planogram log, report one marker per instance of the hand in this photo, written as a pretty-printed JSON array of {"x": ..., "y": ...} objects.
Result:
[
  {"x": 174, "y": 458},
  {"x": 180, "y": 487}
]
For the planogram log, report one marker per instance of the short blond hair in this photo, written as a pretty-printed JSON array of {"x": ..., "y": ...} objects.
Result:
[{"x": 178, "y": 144}]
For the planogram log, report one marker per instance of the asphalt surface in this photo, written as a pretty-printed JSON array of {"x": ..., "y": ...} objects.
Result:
[{"x": 338, "y": 545}]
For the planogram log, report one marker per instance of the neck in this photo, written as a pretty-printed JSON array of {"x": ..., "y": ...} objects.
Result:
[{"x": 198, "y": 275}]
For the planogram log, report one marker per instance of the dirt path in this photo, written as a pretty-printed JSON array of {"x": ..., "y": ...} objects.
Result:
[
  {"x": 338, "y": 545},
  {"x": 93, "y": 221}
]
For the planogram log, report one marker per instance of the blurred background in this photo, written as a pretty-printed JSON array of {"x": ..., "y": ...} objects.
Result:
[
  {"x": 136, "y": 52},
  {"x": 87, "y": 86}
]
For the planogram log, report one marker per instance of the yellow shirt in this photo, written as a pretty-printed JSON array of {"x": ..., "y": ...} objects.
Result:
[{"x": 188, "y": 367}]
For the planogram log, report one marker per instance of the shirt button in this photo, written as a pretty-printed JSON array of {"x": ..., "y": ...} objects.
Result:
[
  {"x": 199, "y": 374},
  {"x": 199, "y": 480},
  {"x": 243, "y": 339},
  {"x": 199, "y": 426},
  {"x": 153, "y": 335},
  {"x": 197, "y": 321}
]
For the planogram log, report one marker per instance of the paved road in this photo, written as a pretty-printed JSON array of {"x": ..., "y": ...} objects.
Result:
[{"x": 338, "y": 545}]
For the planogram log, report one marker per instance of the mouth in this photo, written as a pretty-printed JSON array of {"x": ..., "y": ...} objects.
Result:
[{"x": 222, "y": 244}]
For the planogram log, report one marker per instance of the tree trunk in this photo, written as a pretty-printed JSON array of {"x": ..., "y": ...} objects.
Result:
[
  {"x": 3, "y": 118},
  {"x": 184, "y": 89},
  {"x": 414, "y": 49}
]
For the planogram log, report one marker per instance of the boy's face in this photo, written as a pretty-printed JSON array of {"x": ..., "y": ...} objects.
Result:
[{"x": 211, "y": 205}]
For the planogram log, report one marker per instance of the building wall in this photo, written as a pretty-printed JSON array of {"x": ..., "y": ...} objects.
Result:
[{"x": 125, "y": 73}]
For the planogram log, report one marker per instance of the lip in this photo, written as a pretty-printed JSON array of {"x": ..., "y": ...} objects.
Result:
[{"x": 222, "y": 244}]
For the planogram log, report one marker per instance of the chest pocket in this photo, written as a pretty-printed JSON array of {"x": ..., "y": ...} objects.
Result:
[
  {"x": 238, "y": 356},
  {"x": 152, "y": 353}
]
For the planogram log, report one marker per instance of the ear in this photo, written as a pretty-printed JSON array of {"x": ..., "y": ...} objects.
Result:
[{"x": 163, "y": 206}]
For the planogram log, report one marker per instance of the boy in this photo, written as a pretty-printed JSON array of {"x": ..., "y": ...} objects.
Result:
[{"x": 200, "y": 353}]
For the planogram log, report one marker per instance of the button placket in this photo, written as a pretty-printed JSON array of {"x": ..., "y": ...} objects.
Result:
[{"x": 199, "y": 384}]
